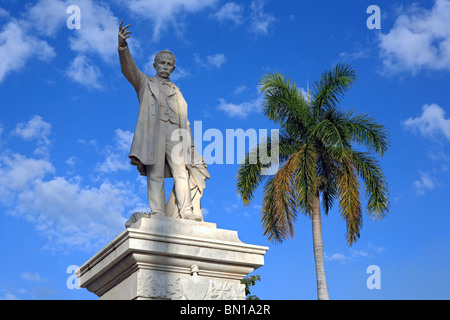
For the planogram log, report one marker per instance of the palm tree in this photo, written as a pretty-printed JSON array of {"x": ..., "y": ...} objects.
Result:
[{"x": 317, "y": 161}]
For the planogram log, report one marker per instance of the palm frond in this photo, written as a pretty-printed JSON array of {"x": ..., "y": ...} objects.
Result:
[
  {"x": 251, "y": 172},
  {"x": 367, "y": 132},
  {"x": 279, "y": 203},
  {"x": 331, "y": 129},
  {"x": 306, "y": 181},
  {"x": 349, "y": 199},
  {"x": 268, "y": 214},
  {"x": 284, "y": 103},
  {"x": 331, "y": 88},
  {"x": 375, "y": 184},
  {"x": 326, "y": 170},
  {"x": 248, "y": 179},
  {"x": 329, "y": 194}
]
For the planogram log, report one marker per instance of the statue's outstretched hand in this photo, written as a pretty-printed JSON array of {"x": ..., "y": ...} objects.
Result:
[{"x": 123, "y": 35}]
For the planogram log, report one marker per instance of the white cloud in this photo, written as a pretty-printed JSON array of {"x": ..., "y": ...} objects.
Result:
[
  {"x": 432, "y": 122},
  {"x": 70, "y": 214},
  {"x": 9, "y": 296},
  {"x": 47, "y": 16},
  {"x": 123, "y": 139},
  {"x": 17, "y": 172},
  {"x": 71, "y": 161},
  {"x": 3, "y": 13},
  {"x": 231, "y": 207},
  {"x": 239, "y": 89},
  {"x": 260, "y": 21},
  {"x": 165, "y": 13},
  {"x": 98, "y": 33},
  {"x": 20, "y": 38},
  {"x": 257, "y": 22},
  {"x": 35, "y": 129},
  {"x": 83, "y": 71},
  {"x": 230, "y": 11},
  {"x": 216, "y": 60},
  {"x": 336, "y": 257},
  {"x": 355, "y": 55},
  {"x": 117, "y": 156},
  {"x": 361, "y": 253},
  {"x": 17, "y": 47},
  {"x": 426, "y": 182},
  {"x": 31, "y": 277},
  {"x": 304, "y": 93},
  {"x": 240, "y": 110},
  {"x": 97, "y": 36},
  {"x": 376, "y": 249},
  {"x": 419, "y": 39},
  {"x": 179, "y": 73},
  {"x": 99, "y": 26},
  {"x": 114, "y": 162},
  {"x": 369, "y": 251}
]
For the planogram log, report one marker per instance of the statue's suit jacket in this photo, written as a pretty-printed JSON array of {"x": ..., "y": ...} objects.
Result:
[{"x": 145, "y": 140}]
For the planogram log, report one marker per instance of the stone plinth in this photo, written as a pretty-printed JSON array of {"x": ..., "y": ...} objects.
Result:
[{"x": 159, "y": 257}]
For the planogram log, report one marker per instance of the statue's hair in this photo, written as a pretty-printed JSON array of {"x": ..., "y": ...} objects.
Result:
[{"x": 165, "y": 51}]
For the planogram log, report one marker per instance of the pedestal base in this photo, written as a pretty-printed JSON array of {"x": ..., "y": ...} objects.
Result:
[{"x": 159, "y": 257}]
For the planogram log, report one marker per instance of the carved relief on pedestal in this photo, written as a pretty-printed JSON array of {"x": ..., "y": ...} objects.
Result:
[{"x": 175, "y": 287}]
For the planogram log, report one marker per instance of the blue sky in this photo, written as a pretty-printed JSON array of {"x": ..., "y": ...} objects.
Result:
[{"x": 67, "y": 115}]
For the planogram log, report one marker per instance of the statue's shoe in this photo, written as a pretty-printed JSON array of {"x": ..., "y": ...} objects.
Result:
[{"x": 191, "y": 216}]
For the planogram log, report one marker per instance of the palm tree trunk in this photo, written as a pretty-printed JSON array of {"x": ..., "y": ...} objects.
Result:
[{"x": 322, "y": 289}]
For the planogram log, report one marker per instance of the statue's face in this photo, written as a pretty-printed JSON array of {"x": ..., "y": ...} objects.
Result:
[{"x": 165, "y": 65}]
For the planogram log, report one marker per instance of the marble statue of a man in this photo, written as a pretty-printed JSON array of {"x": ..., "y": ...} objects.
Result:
[{"x": 162, "y": 143}]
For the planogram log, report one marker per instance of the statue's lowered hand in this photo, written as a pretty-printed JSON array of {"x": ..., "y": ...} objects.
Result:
[{"x": 124, "y": 34}]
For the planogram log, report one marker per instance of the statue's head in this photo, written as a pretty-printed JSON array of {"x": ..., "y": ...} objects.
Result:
[{"x": 164, "y": 63}]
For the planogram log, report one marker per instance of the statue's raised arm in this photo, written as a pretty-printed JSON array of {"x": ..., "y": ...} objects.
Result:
[
  {"x": 124, "y": 34},
  {"x": 127, "y": 63}
]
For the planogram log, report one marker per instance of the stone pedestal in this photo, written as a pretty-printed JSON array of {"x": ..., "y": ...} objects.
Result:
[{"x": 159, "y": 257}]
